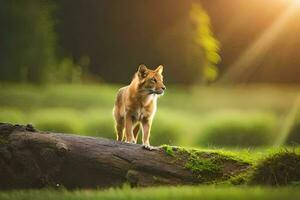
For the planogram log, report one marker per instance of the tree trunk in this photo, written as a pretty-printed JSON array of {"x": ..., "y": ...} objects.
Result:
[{"x": 34, "y": 159}]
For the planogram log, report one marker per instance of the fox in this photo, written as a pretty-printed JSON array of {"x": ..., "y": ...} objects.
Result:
[{"x": 136, "y": 105}]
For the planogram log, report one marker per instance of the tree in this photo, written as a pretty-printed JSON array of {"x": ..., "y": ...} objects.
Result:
[
  {"x": 28, "y": 41},
  {"x": 119, "y": 35},
  {"x": 204, "y": 38}
]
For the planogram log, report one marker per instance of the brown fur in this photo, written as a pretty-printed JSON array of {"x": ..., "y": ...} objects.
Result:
[{"x": 135, "y": 104}]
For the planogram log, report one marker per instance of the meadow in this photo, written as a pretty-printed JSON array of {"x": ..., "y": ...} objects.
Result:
[
  {"x": 242, "y": 122},
  {"x": 183, "y": 192},
  {"x": 240, "y": 116}
]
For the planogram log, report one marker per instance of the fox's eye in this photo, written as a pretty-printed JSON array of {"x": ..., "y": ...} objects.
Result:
[{"x": 153, "y": 80}]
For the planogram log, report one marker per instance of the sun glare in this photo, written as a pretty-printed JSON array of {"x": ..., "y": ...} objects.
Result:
[
  {"x": 293, "y": 2},
  {"x": 261, "y": 45}
]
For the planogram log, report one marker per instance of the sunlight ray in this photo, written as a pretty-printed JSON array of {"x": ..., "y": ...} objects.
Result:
[{"x": 257, "y": 50}]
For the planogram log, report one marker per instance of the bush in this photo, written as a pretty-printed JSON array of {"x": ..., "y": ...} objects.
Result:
[
  {"x": 99, "y": 123},
  {"x": 10, "y": 115},
  {"x": 57, "y": 120},
  {"x": 278, "y": 169},
  {"x": 237, "y": 129},
  {"x": 166, "y": 129}
]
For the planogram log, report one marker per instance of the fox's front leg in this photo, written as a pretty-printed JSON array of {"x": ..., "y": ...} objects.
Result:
[
  {"x": 146, "y": 134},
  {"x": 128, "y": 129}
]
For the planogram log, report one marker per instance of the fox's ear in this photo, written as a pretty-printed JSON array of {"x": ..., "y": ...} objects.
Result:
[
  {"x": 142, "y": 71},
  {"x": 159, "y": 69}
]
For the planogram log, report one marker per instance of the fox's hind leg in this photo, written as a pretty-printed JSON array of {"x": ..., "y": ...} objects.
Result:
[{"x": 120, "y": 129}]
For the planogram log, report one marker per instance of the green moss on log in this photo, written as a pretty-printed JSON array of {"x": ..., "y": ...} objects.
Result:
[{"x": 208, "y": 167}]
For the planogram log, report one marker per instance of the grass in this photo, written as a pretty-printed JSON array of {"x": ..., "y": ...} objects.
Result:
[
  {"x": 278, "y": 169},
  {"x": 182, "y": 192}
]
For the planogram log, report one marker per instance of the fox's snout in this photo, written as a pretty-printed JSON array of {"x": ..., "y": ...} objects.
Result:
[{"x": 160, "y": 90}]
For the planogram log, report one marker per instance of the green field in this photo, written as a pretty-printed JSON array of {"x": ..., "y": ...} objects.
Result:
[
  {"x": 195, "y": 116},
  {"x": 183, "y": 192},
  {"x": 240, "y": 122}
]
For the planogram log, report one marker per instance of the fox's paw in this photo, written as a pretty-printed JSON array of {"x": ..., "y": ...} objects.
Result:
[
  {"x": 131, "y": 141},
  {"x": 150, "y": 148}
]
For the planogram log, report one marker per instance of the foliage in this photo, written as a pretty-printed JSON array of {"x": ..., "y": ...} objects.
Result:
[
  {"x": 30, "y": 44},
  {"x": 205, "y": 39},
  {"x": 278, "y": 169},
  {"x": 29, "y": 41},
  {"x": 42, "y": 44},
  {"x": 67, "y": 71}
]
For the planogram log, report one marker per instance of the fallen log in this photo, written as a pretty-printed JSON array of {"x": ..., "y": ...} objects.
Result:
[{"x": 33, "y": 159}]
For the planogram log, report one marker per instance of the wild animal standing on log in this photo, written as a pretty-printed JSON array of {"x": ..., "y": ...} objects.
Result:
[{"x": 135, "y": 105}]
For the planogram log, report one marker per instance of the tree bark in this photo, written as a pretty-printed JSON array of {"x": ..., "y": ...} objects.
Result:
[{"x": 34, "y": 159}]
